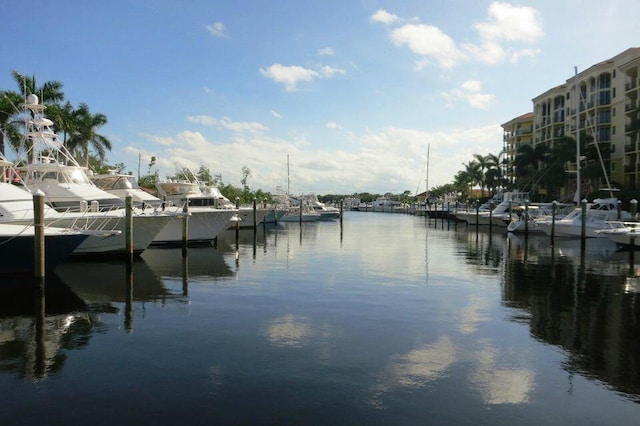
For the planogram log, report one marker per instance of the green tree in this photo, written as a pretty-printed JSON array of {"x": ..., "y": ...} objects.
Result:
[
  {"x": 246, "y": 172},
  {"x": 204, "y": 175},
  {"x": 85, "y": 133},
  {"x": 9, "y": 131}
]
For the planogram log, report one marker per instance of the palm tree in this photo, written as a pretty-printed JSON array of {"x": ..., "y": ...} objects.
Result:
[
  {"x": 527, "y": 162},
  {"x": 50, "y": 91},
  {"x": 85, "y": 126},
  {"x": 8, "y": 128},
  {"x": 482, "y": 166}
]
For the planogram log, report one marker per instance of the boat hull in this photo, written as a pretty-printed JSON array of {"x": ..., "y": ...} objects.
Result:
[
  {"x": 204, "y": 225},
  {"x": 17, "y": 250}
]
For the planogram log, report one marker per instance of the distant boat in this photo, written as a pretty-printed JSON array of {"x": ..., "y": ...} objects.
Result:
[
  {"x": 294, "y": 215},
  {"x": 499, "y": 215},
  {"x": 197, "y": 194}
]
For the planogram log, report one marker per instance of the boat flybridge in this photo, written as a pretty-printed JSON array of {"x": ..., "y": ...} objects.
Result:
[{"x": 53, "y": 170}]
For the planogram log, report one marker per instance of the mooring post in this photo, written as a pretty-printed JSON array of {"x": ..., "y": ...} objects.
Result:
[
  {"x": 341, "y": 210},
  {"x": 255, "y": 214},
  {"x": 128, "y": 228},
  {"x": 583, "y": 231},
  {"x": 632, "y": 238},
  {"x": 300, "y": 210},
  {"x": 477, "y": 214},
  {"x": 526, "y": 217},
  {"x": 634, "y": 208},
  {"x": 185, "y": 228},
  {"x": 38, "y": 235},
  {"x": 554, "y": 211}
]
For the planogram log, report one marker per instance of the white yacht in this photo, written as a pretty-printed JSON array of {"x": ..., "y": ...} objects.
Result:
[
  {"x": 74, "y": 201},
  {"x": 200, "y": 195},
  {"x": 598, "y": 213},
  {"x": 205, "y": 223},
  {"x": 51, "y": 169},
  {"x": 500, "y": 214}
]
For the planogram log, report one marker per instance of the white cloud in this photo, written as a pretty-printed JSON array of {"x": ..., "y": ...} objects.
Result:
[
  {"x": 506, "y": 24},
  {"x": 326, "y": 51},
  {"x": 471, "y": 92},
  {"x": 505, "y": 27},
  {"x": 275, "y": 114},
  {"x": 217, "y": 29},
  {"x": 511, "y": 23},
  {"x": 384, "y": 17},
  {"x": 333, "y": 125},
  {"x": 227, "y": 123},
  {"x": 290, "y": 76},
  {"x": 388, "y": 160},
  {"x": 429, "y": 41}
]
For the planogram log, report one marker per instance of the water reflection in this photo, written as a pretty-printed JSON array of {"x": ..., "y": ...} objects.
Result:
[
  {"x": 202, "y": 263},
  {"x": 585, "y": 302},
  {"x": 499, "y": 383},
  {"x": 288, "y": 331},
  {"x": 37, "y": 323},
  {"x": 416, "y": 368}
]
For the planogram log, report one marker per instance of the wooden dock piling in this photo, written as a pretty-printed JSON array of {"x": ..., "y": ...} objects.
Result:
[{"x": 38, "y": 237}]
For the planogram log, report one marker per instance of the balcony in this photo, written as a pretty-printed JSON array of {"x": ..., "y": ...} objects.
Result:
[{"x": 630, "y": 85}]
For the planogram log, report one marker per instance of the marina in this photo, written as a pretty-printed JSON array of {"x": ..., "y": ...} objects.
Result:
[{"x": 377, "y": 319}]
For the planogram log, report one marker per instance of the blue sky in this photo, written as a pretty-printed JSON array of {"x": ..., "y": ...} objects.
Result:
[{"x": 353, "y": 92}]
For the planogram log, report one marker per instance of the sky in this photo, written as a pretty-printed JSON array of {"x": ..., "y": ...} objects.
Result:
[{"x": 327, "y": 96}]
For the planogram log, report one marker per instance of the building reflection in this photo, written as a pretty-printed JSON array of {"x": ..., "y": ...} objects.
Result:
[{"x": 583, "y": 301}]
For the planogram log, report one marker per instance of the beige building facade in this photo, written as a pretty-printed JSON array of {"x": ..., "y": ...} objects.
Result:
[{"x": 601, "y": 103}]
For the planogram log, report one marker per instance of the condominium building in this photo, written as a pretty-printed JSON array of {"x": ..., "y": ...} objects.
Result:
[
  {"x": 601, "y": 103},
  {"x": 517, "y": 132}
]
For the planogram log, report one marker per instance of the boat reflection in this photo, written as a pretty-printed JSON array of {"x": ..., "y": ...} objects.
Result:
[
  {"x": 37, "y": 324},
  {"x": 201, "y": 263},
  {"x": 584, "y": 301}
]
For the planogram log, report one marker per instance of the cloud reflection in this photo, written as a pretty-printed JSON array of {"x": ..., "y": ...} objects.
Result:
[
  {"x": 473, "y": 314},
  {"x": 288, "y": 331},
  {"x": 416, "y": 368},
  {"x": 499, "y": 384}
]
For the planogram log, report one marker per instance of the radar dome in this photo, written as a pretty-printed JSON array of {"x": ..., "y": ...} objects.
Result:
[{"x": 32, "y": 99}]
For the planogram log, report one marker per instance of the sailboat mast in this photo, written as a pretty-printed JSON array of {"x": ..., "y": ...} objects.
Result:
[
  {"x": 426, "y": 194},
  {"x": 577, "y": 101},
  {"x": 287, "y": 174}
]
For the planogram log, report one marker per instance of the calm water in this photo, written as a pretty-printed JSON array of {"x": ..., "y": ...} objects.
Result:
[{"x": 389, "y": 319}]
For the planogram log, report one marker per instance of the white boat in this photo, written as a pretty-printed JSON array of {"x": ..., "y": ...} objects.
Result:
[
  {"x": 598, "y": 213},
  {"x": 526, "y": 219},
  {"x": 293, "y": 215},
  {"x": 74, "y": 201},
  {"x": 200, "y": 195},
  {"x": 122, "y": 185},
  {"x": 17, "y": 246},
  {"x": 205, "y": 223},
  {"x": 624, "y": 233},
  {"x": 499, "y": 216},
  {"x": 51, "y": 169},
  {"x": 325, "y": 212}
]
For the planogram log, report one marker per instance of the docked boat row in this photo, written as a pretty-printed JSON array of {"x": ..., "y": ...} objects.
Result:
[
  {"x": 85, "y": 217},
  {"x": 603, "y": 218}
]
